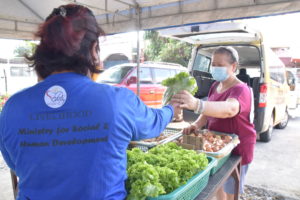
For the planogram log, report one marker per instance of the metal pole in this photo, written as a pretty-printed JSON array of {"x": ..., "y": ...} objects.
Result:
[
  {"x": 138, "y": 10},
  {"x": 5, "y": 80},
  {"x": 138, "y": 63}
]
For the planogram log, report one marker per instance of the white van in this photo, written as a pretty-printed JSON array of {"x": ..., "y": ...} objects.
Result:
[
  {"x": 293, "y": 77},
  {"x": 259, "y": 67},
  {"x": 15, "y": 75}
]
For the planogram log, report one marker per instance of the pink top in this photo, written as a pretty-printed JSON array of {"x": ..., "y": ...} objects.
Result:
[{"x": 239, "y": 124}]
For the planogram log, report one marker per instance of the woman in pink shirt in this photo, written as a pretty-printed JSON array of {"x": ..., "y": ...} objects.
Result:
[{"x": 227, "y": 110}]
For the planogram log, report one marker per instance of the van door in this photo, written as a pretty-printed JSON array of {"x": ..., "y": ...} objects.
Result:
[
  {"x": 291, "y": 80},
  {"x": 298, "y": 85},
  {"x": 200, "y": 70},
  {"x": 278, "y": 95}
]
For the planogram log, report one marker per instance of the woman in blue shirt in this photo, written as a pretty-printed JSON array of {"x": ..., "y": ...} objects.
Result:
[{"x": 66, "y": 137}]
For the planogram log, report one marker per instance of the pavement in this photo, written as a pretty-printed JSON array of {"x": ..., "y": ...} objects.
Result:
[
  {"x": 6, "y": 192},
  {"x": 276, "y": 165}
]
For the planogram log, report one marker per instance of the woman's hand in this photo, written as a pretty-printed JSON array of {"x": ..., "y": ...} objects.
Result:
[
  {"x": 190, "y": 129},
  {"x": 185, "y": 100}
]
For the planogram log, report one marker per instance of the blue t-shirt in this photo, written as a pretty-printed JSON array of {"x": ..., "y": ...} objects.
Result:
[{"x": 66, "y": 137}]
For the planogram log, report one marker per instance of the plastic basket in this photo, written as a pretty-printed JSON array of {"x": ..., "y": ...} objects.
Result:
[
  {"x": 193, "y": 187},
  {"x": 171, "y": 131},
  {"x": 145, "y": 146},
  {"x": 226, "y": 150},
  {"x": 220, "y": 163}
]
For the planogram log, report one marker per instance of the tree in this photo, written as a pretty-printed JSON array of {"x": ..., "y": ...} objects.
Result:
[
  {"x": 166, "y": 49},
  {"x": 26, "y": 49}
]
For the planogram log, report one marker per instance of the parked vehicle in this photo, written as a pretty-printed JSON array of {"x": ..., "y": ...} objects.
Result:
[
  {"x": 15, "y": 75},
  {"x": 294, "y": 82},
  {"x": 151, "y": 76},
  {"x": 259, "y": 67}
]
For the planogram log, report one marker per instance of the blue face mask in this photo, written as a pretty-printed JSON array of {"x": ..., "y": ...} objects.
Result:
[{"x": 219, "y": 73}]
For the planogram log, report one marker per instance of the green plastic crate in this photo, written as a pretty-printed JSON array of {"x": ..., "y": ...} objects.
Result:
[
  {"x": 193, "y": 187},
  {"x": 220, "y": 163}
]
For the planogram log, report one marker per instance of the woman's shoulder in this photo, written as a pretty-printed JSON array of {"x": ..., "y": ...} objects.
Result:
[
  {"x": 113, "y": 90},
  {"x": 240, "y": 86},
  {"x": 240, "y": 89}
]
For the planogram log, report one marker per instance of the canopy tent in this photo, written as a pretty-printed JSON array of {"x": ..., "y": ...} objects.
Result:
[{"x": 19, "y": 18}]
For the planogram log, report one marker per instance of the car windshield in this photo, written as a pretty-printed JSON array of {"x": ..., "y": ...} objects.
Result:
[{"x": 114, "y": 75}]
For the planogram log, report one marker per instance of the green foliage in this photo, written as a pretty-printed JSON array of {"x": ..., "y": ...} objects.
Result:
[
  {"x": 168, "y": 178},
  {"x": 166, "y": 49},
  {"x": 134, "y": 156},
  {"x": 161, "y": 170},
  {"x": 181, "y": 81},
  {"x": 143, "y": 181},
  {"x": 27, "y": 49}
]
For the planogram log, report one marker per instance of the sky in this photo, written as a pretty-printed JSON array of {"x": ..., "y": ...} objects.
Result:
[{"x": 281, "y": 30}]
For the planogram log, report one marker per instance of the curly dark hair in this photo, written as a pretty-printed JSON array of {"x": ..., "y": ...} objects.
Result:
[{"x": 67, "y": 38}]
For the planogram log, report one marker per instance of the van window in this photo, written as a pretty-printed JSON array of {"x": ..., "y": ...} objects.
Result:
[
  {"x": 201, "y": 63},
  {"x": 290, "y": 78},
  {"x": 277, "y": 73},
  {"x": 298, "y": 75},
  {"x": 277, "y": 69},
  {"x": 162, "y": 74}
]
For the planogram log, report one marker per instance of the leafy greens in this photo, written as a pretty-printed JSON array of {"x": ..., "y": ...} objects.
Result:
[
  {"x": 161, "y": 170},
  {"x": 181, "y": 81}
]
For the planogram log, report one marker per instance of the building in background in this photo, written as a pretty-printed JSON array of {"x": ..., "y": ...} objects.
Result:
[
  {"x": 119, "y": 48},
  {"x": 286, "y": 56}
]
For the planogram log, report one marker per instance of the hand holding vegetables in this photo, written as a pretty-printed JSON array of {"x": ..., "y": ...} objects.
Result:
[
  {"x": 181, "y": 81},
  {"x": 185, "y": 100}
]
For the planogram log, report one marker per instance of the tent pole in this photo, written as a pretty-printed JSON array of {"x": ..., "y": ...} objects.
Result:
[
  {"x": 138, "y": 63},
  {"x": 138, "y": 13}
]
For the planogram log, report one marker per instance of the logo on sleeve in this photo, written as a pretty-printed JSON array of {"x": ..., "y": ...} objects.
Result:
[{"x": 55, "y": 96}]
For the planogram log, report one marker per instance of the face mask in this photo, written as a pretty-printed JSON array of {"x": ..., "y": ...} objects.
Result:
[{"x": 219, "y": 73}]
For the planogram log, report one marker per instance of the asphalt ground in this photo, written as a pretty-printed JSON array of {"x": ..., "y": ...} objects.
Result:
[{"x": 276, "y": 165}]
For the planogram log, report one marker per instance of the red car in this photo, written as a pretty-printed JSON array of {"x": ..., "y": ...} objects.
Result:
[{"x": 151, "y": 76}]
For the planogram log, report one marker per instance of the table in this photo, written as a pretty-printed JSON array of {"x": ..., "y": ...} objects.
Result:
[{"x": 232, "y": 167}]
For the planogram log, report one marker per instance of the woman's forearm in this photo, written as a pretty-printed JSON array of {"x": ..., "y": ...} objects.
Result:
[
  {"x": 201, "y": 121},
  {"x": 221, "y": 109},
  {"x": 217, "y": 109}
]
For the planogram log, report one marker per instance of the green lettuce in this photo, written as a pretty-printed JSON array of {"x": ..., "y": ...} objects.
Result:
[
  {"x": 161, "y": 170},
  {"x": 181, "y": 81}
]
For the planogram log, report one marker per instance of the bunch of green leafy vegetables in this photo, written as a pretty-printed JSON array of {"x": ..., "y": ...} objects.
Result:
[
  {"x": 161, "y": 170},
  {"x": 181, "y": 81}
]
